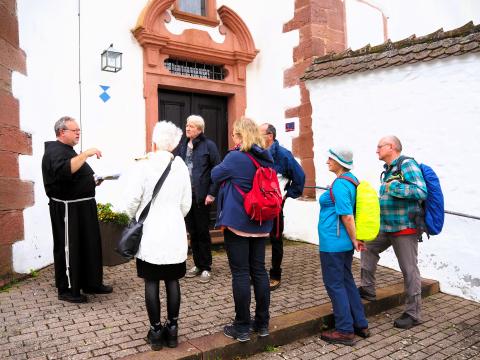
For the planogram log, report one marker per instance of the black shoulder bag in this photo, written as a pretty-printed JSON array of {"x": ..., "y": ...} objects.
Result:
[{"x": 130, "y": 240}]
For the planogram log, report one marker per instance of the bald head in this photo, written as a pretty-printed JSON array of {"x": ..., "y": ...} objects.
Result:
[
  {"x": 389, "y": 148},
  {"x": 394, "y": 141}
]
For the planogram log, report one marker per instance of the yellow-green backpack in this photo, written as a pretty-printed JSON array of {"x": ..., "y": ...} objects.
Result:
[{"x": 367, "y": 209}]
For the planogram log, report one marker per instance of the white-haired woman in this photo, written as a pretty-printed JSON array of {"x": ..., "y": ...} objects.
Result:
[{"x": 163, "y": 249}]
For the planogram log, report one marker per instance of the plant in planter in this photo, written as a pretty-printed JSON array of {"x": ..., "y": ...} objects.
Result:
[{"x": 112, "y": 224}]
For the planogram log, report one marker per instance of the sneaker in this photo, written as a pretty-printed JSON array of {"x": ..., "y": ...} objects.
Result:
[
  {"x": 261, "y": 331},
  {"x": 194, "y": 271},
  {"x": 366, "y": 295},
  {"x": 73, "y": 298},
  {"x": 335, "y": 337},
  {"x": 205, "y": 276},
  {"x": 405, "y": 321},
  {"x": 230, "y": 332},
  {"x": 363, "y": 333},
  {"x": 154, "y": 338},
  {"x": 274, "y": 284}
]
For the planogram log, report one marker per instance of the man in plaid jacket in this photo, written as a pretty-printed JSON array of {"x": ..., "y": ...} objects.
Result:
[{"x": 400, "y": 193}]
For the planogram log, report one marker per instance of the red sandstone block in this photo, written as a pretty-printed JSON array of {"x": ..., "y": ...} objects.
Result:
[
  {"x": 292, "y": 112},
  {"x": 12, "y": 57},
  {"x": 303, "y": 145},
  {"x": 292, "y": 75},
  {"x": 8, "y": 26},
  {"x": 304, "y": 94},
  {"x": 336, "y": 20},
  {"x": 318, "y": 13},
  {"x": 8, "y": 164},
  {"x": 14, "y": 140},
  {"x": 10, "y": 5},
  {"x": 15, "y": 194},
  {"x": 5, "y": 261},
  {"x": 301, "y": 3},
  {"x": 11, "y": 226},
  {"x": 5, "y": 79},
  {"x": 9, "y": 114}
]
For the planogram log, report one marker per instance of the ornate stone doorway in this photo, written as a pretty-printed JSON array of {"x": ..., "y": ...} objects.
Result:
[{"x": 161, "y": 49}]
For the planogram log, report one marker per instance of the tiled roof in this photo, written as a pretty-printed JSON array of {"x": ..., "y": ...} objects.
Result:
[{"x": 440, "y": 44}]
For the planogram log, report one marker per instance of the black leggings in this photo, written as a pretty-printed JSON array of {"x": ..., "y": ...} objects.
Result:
[{"x": 152, "y": 300}]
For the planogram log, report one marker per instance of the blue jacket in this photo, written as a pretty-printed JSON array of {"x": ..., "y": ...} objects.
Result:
[
  {"x": 285, "y": 164},
  {"x": 205, "y": 156},
  {"x": 237, "y": 168}
]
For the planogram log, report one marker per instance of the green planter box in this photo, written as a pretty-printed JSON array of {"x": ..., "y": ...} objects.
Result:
[{"x": 110, "y": 234}]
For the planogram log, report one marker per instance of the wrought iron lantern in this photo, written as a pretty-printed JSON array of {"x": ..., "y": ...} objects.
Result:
[{"x": 111, "y": 60}]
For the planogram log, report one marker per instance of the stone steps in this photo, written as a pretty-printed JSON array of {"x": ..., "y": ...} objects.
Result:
[{"x": 284, "y": 329}]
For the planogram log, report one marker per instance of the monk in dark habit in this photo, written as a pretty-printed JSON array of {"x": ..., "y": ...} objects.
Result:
[{"x": 70, "y": 187}]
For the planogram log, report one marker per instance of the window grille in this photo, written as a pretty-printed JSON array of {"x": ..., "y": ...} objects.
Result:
[{"x": 194, "y": 69}]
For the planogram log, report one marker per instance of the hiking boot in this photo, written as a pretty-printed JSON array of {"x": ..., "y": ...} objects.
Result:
[
  {"x": 405, "y": 321},
  {"x": 232, "y": 333},
  {"x": 364, "y": 294},
  {"x": 363, "y": 333},
  {"x": 194, "y": 271},
  {"x": 154, "y": 338},
  {"x": 170, "y": 335},
  {"x": 73, "y": 298},
  {"x": 335, "y": 337},
  {"x": 261, "y": 331},
  {"x": 205, "y": 276},
  {"x": 274, "y": 284},
  {"x": 101, "y": 289}
]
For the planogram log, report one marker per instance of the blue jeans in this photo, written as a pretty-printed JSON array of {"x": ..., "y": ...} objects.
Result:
[
  {"x": 338, "y": 279},
  {"x": 246, "y": 257}
]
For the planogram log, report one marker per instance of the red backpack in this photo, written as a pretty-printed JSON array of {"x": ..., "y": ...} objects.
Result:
[{"x": 264, "y": 200}]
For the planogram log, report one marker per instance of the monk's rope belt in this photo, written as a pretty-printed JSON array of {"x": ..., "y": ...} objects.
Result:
[{"x": 65, "y": 219}]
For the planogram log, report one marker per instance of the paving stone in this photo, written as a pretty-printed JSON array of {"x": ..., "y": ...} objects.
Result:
[{"x": 34, "y": 323}]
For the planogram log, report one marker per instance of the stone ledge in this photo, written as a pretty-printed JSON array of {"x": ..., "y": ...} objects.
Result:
[{"x": 284, "y": 329}]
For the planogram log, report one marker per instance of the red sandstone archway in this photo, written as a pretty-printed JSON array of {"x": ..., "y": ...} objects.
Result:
[{"x": 237, "y": 50}]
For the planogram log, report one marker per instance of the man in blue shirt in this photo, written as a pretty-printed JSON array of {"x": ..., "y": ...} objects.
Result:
[{"x": 292, "y": 180}]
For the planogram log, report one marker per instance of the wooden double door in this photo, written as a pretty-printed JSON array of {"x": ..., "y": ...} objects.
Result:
[{"x": 176, "y": 106}]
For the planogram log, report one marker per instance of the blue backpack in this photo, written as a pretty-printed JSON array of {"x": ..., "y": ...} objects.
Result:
[{"x": 433, "y": 205}]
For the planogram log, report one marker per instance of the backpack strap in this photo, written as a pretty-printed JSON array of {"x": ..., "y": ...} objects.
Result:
[
  {"x": 255, "y": 162},
  {"x": 257, "y": 165},
  {"x": 349, "y": 179},
  {"x": 398, "y": 167}
]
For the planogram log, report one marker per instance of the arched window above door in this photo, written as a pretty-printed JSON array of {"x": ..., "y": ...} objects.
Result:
[{"x": 196, "y": 11}]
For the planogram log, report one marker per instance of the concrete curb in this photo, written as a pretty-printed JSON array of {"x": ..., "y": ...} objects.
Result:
[{"x": 284, "y": 329}]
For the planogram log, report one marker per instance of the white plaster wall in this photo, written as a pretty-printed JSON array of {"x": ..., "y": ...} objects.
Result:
[
  {"x": 405, "y": 18},
  {"x": 49, "y": 37},
  {"x": 267, "y": 99},
  {"x": 433, "y": 108}
]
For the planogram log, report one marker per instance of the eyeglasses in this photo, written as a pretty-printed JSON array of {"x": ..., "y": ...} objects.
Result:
[
  {"x": 380, "y": 146},
  {"x": 76, "y": 131}
]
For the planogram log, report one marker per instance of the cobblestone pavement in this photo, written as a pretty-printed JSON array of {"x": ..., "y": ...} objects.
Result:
[
  {"x": 35, "y": 325},
  {"x": 451, "y": 330}
]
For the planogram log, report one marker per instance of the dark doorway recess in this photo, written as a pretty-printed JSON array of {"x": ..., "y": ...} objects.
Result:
[{"x": 176, "y": 106}]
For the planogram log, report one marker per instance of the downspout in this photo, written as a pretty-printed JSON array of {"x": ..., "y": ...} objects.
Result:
[
  {"x": 79, "y": 79},
  {"x": 384, "y": 17}
]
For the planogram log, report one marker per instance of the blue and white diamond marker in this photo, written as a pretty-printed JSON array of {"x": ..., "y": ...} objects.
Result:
[{"x": 104, "y": 96}]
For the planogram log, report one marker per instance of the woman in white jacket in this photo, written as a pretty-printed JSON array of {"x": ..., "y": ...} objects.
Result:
[{"x": 163, "y": 249}]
